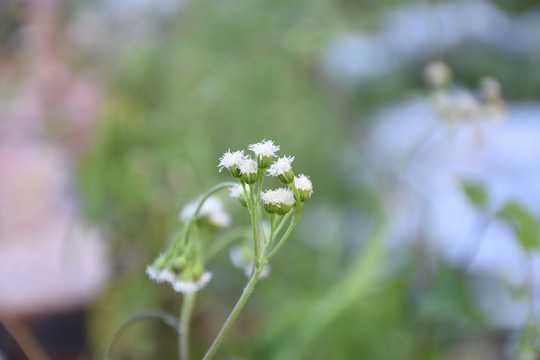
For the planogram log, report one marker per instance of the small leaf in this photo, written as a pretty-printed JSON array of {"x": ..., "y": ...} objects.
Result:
[
  {"x": 475, "y": 193},
  {"x": 523, "y": 223}
]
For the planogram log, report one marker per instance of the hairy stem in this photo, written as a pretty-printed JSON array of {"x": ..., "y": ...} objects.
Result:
[
  {"x": 233, "y": 315},
  {"x": 252, "y": 211},
  {"x": 209, "y": 193},
  {"x": 286, "y": 235},
  {"x": 168, "y": 318},
  {"x": 185, "y": 318}
]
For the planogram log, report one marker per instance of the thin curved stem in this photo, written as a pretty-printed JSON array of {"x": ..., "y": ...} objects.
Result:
[
  {"x": 185, "y": 318},
  {"x": 209, "y": 193},
  {"x": 252, "y": 211},
  {"x": 261, "y": 179},
  {"x": 280, "y": 226},
  {"x": 286, "y": 235},
  {"x": 168, "y": 318},
  {"x": 233, "y": 315}
]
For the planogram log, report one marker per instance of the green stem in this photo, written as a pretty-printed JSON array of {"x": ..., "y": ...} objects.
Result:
[
  {"x": 233, "y": 315},
  {"x": 208, "y": 194},
  {"x": 252, "y": 209},
  {"x": 261, "y": 179},
  {"x": 168, "y": 318},
  {"x": 280, "y": 226},
  {"x": 286, "y": 235},
  {"x": 272, "y": 228},
  {"x": 185, "y": 318},
  {"x": 183, "y": 233}
]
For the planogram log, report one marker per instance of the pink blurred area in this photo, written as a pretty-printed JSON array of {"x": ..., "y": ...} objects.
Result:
[{"x": 49, "y": 259}]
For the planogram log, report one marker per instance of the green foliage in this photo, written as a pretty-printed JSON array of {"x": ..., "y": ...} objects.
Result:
[
  {"x": 226, "y": 73},
  {"x": 475, "y": 193},
  {"x": 524, "y": 224}
]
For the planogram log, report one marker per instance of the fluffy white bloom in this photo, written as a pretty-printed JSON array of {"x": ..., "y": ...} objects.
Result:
[
  {"x": 160, "y": 276},
  {"x": 248, "y": 166},
  {"x": 212, "y": 208},
  {"x": 303, "y": 183},
  {"x": 231, "y": 159},
  {"x": 265, "y": 148},
  {"x": 187, "y": 287},
  {"x": 490, "y": 88},
  {"x": 236, "y": 191},
  {"x": 459, "y": 105},
  {"x": 281, "y": 166},
  {"x": 437, "y": 74},
  {"x": 278, "y": 197},
  {"x": 242, "y": 258}
]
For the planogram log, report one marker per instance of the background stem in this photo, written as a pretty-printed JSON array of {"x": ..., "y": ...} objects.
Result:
[
  {"x": 233, "y": 315},
  {"x": 185, "y": 319}
]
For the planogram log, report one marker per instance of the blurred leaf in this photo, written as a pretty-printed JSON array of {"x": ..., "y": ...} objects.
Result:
[
  {"x": 449, "y": 300},
  {"x": 523, "y": 223},
  {"x": 475, "y": 193},
  {"x": 362, "y": 278},
  {"x": 527, "y": 342}
]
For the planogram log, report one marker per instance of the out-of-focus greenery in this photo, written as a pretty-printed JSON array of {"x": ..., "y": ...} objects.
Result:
[{"x": 224, "y": 74}]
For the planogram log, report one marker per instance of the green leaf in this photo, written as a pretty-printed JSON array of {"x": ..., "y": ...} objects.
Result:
[
  {"x": 475, "y": 193},
  {"x": 523, "y": 223}
]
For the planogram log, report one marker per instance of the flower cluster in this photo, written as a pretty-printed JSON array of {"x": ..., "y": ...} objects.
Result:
[
  {"x": 461, "y": 105},
  {"x": 181, "y": 265},
  {"x": 181, "y": 269},
  {"x": 248, "y": 171}
]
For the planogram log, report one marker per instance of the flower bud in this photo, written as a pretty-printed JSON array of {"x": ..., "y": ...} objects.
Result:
[
  {"x": 287, "y": 177},
  {"x": 231, "y": 161},
  {"x": 282, "y": 169},
  {"x": 264, "y": 152},
  {"x": 303, "y": 186},
  {"x": 249, "y": 171},
  {"x": 279, "y": 201},
  {"x": 237, "y": 192}
]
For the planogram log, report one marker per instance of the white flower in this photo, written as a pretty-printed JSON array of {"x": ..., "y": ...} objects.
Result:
[
  {"x": 160, "y": 276},
  {"x": 231, "y": 159},
  {"x": 265, "y": 148},
  {"x": 187, "y": 287},
  {"x": 437, "y": 73},
  {"x": 281, "y": 166},
  {"x": 490, "y": 88},
  {"x": 248, "y": 166},
  {"x": 212, "y": 208},
  {"x": 303, "y": 183},
  {"x": 278, "y": 197},
  {"x": 236, "y": 191},
  {"x": 458, "y": 105}
]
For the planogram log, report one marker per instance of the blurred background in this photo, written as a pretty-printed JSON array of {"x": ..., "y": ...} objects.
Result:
[{"x": 420, "y": 240}]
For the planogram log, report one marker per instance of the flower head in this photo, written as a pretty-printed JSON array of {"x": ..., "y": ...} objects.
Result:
[
  {"x": 282, "y": 169},
  {"x": 160, "y": 276},
  {"x": 237, "y": 192},
  {"x": 437, "y": 74},
  {"x": 279, "y": 201},
  {"x": 190, "y": 286},
  {"x": 231, "y": 161},
  {"x": 264, "y": 152},
  {"x": 304, "y": 186},
  {"x": 490, "y": 88},
  {"x": 249, "y": 171},
  {"x": 212, "y": 208}
]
